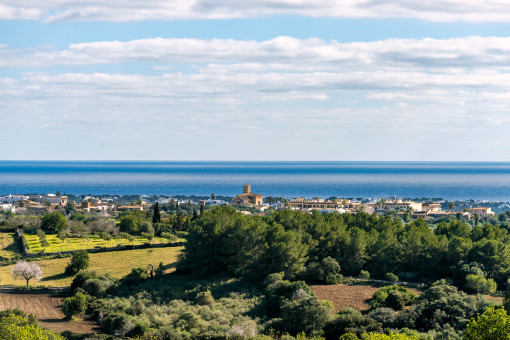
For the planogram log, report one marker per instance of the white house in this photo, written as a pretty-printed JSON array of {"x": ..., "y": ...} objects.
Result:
[
  {"x": 7, "y": 207},
  {"x": 10, "y": 199}
]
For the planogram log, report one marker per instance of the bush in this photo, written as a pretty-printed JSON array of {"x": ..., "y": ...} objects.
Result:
[
  {"x": 350, "y": 323},
  {"x": 364, "y": 275},
  {"x": 136, "y": 276},
  {"x": 80, "y": 279},
  {"x": 326, "y": 271},
  {"x": 74, "y": 305},
  {"x": 391, "y": 277},
  {"x": 204, "y": 298},
  {"x": 96, "y": 287},
  {"x": 307, "y": 315},
  {"x": 129, "y": 224},
  {"x": 493, "y": 324},
  {"x": 79, "y": 261},
  {"x": 54, "y": 221},
  {"x": 119, "y": 324},
  {"x": 393, "y": 296},
  {"x": 385, "y": 316},
  {"x": 480, "y": 284}
]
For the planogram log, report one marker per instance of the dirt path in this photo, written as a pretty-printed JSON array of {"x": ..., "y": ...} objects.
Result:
[{"x": 46, "y": 307}]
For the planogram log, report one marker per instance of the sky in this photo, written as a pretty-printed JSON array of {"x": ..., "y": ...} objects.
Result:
[{"x": 350, "y": 80}]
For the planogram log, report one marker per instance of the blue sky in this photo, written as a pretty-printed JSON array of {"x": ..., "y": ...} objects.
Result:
[{"x": 261, "y": 80}]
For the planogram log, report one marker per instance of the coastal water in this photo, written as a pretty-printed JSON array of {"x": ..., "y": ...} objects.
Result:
[{"x": 456, "y": 180}]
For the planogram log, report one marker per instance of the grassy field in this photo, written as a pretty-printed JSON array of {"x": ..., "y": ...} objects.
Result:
[
  {"x": 8, "y": 248},
  {"x": 56, "y": 244},
  {"x": 118, "y": 263}
]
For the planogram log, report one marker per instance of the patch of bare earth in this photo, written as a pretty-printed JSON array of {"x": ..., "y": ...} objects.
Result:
[
  {"x": 343, "y": 296},
  {"x": 46, "y": 307}
]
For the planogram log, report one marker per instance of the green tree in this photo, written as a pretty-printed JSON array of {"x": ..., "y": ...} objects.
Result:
[
  {"x": 74, "y": 305},
  {"x": 79, "y": 261},
  {"x": 213, "y": 196},
  {"x": 308, "y": 315},
  {"x": 16, "y": 326},
  {"x": 54, "y": 221},
  {"x": 156, "y": 217},
  {"x": 129, "y": 224},
  {"x": 493, "y": 324}
]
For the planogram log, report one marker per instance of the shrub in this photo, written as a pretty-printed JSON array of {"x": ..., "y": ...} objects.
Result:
[
  {"x": 393, "y": 296},
  {"x": 307, "y": 315},
  {"x": 385, "y": 316},
  {"x": 137, "y": 275},
  {"x": 479, "y": 284},
  {"x": 204, "y": 298},
  {"x": 54, "y": 221},
  {"x": 96, "y": 287},
  {"x": 79, "y": 261},
  {"x": 493, "y": 324},
  {"x": 350, "y": 323},
  {"x": 80, "y": 279},
  {"x": 391, "y": 277},
  {"x": 118, "y": 324},
  {"x": 129, "y": 224},
  {"x": 326, "y": 271},
  {"x": 364, "y": 275},
  {"x": 74, "y": 305}
]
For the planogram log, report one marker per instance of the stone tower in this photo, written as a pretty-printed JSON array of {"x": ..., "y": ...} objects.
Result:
[{"x": 246, "y": 189}]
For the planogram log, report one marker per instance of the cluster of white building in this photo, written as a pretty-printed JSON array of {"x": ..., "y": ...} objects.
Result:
[{"x": 384, "y": 207}]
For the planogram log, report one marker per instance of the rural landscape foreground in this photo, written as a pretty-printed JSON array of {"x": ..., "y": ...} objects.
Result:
[{"x": 256, "y": 268}]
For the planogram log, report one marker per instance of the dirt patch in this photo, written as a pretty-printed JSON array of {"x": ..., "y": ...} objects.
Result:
[
  {"x": 46, "y": 307},
  {"x": 343, "y": 296}
]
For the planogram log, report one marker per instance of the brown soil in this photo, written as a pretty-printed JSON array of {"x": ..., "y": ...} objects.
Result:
[
  {"x": 342, "y": 296},
  {"x": 46, "y": 307}
]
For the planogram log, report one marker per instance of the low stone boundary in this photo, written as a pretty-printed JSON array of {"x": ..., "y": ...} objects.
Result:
[{"x": 34, "y": 290}]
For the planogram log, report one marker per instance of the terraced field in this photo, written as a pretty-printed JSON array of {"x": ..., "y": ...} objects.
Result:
[{"x": 56, "y": 244}]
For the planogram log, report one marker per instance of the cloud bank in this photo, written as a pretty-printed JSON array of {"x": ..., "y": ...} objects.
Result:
[
  {"x": 132, "y": 10},
  {"x": 283, "y": 91}
]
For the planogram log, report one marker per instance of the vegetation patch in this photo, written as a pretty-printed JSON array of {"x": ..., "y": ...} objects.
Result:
[{"x": 55, "y": 244}]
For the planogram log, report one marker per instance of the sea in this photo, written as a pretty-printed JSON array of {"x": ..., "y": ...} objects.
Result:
[{"x": 372, "y": 180}]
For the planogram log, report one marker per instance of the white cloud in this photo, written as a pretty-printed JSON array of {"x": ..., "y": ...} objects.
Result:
[
  {"x": 211, "y": 89},
  {"x": 133, "y": 10},
  {"x": 281, "y": 52}
]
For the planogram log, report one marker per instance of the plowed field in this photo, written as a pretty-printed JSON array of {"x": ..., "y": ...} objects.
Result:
[
  {"x": 358, "y": 296},
  {"x": 342, "y": 296},
  {"x": 46, "y": 307}
]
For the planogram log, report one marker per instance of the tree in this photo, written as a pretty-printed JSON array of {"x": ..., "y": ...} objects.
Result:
[
  {"x": 74, "y": 305},
  {"x": 54, "y": 221},
  {"x": 213, "y": 196},
  {"x": 27, "y": 271},
  {"x": 14, "y": 325},
  {"x": 129, "y": 224},
  {"x": 494, "y": 324},
  {"x": 156, "y": 217},
  {"x": 79, "y": 261}
]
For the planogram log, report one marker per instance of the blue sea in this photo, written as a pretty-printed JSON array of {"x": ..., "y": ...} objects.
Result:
[{"x": 448, "y": 180}]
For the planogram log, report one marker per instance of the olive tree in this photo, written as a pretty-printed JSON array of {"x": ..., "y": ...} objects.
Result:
[{"x": 27, "y": 271}]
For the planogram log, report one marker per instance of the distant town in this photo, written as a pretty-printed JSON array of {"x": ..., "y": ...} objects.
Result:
[{"x": 249, "y": 202}]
